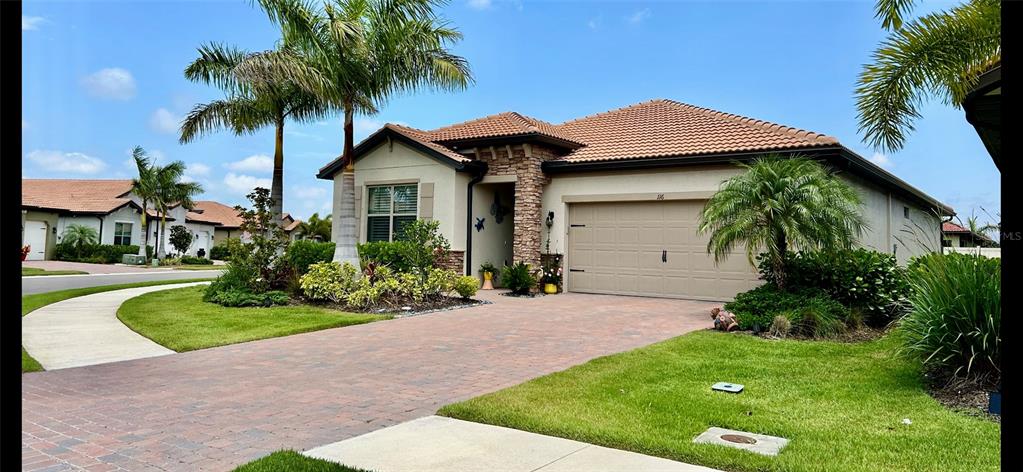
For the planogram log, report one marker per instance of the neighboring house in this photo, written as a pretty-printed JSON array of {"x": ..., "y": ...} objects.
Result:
[
  {"x": 953, "y": 235},
  {"x": 624, "y": 187},
  {"x": 229, "y": 222}
]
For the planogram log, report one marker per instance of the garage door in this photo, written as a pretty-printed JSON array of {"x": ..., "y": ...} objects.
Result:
[
  {"x": 649, "y": 249},
  {"x": 35, "y": 236}
]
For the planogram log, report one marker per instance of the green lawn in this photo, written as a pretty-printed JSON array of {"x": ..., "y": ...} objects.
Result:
[
  {"x": 34, "y": 271},
  {"x": 840, "y": 404},
  {"x": 178, "y": 319},
  {"x": 292, "y": 461},
  {"x": 39, "y": 300}
]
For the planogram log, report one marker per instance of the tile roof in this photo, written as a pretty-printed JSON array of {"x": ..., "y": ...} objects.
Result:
[
  {"x": 75, "y": 195},
  {"x": 950, "y": 227},
  {"x": 661, "y": 128},
  {"x": 217, "y": 212},
  {"x": 656, "y": 128}
]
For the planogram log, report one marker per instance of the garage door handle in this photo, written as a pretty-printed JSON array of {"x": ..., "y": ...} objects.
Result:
[
  {"x": 664, "y": 255},
  {"x": 576, "y": 270}
]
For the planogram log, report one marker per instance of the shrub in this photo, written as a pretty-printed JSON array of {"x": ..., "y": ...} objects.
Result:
[
  {"x": 467, "y": 286},
  {"x": 869, "y": 281},
  {"x": 820, "y": 317},
  {"x": 955, "y": 314},
  {"x": 396, "y": 254},
  {"x": 240, "y": 297},
  {"x": 180, "y": 238},
  {"x": 94, "y": 253},
  {"x": 758, "y": 307},
  {"x": 328, "y": 281},
  {"x": 195, "y": 260},
  {"x": 426, "y": 244},
  {"x": 304, "y": 253},
  {"x": 518, "y": 278},
  {"x": 780, "y": 326},
  {"x": 220, "y": 252}
]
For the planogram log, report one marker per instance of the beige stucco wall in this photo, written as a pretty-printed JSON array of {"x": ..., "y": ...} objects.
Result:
[
  {"x": 494, "y": 242},
  {"x": 51, "y": 219},
  {"x": 396, "y": 163},
  {"x": 125, "y": 214}
]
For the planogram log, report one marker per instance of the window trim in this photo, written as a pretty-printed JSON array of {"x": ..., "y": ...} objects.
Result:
[
  {"x": 131, "y": 230},
  {"x": 390, "y": 213}
]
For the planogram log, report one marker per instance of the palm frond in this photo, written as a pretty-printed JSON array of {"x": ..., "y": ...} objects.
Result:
[
  {"x": 240, "y": 115},
  {"x": 215, "y": 65},
  {"x": 891, "y": 12}
]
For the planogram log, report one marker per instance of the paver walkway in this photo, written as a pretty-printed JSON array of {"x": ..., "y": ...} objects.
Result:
[
  {"x": 85, "y": 331},
  {"x": 214, "y": 409},
  {"x": 438, "y": 444}
]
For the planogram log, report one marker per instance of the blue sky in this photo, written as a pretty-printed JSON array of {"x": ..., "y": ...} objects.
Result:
[{"x": 101, "y": 77}]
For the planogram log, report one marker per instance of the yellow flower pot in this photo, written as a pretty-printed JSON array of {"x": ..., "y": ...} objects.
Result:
[
  {"x": 487, "y": 281},
  {"x": 550, "y": 288}
]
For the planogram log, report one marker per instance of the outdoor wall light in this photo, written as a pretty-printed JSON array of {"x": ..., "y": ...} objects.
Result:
[{"x": 550, "y": 219}]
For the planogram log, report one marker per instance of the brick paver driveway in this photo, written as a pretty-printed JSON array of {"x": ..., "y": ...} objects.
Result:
[{"x": 217, "y": 408}]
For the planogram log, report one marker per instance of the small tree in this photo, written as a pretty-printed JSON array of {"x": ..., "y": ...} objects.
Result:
[
  {"x": 79, "y": 236},
  {"x": 180, "y": 238},
  {"x": 265, "y": 250},
  {"x": 425, "y": 244}
]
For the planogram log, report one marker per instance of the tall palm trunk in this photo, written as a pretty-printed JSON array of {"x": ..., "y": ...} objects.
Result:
[
  {"x": 160, "y": 252},
  {"x": 345, "y": 249},
  {"x": 779, "y": 261},
  {"x": 145, "y": 233},
  {"x": 277, "y": 185}
]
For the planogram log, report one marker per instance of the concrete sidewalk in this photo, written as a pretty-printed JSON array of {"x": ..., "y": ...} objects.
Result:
[
  {"x": 438, "y": 444},
  {"x": 85, "y": 330}
]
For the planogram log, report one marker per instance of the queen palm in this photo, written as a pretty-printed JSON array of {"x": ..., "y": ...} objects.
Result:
[
  {"x": 781, "y": 203},
  {"x": 144, "y": 186},
  {"x": 941, "y": 54},
  {"x": 249, "y": 105},
  {"x": 171, "y": 191},
  {"x": 361, "y": 53}
]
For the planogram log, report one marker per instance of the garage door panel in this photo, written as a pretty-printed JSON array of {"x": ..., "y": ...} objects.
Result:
[{"x": 620, "y": 245}]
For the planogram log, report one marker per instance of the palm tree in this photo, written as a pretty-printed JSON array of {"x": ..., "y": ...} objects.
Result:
[
  {"x": 937, "y": 55},
  {"x": 79, "y": 236},
  {"x": 249, "y": 105},
  {"x": 361, "y": 53},
  {"x": 315, "y": 228},
  {"x": 144, "y": 186},
  {"x": 779, "y": 203},
  {"x": 171, "y": 191}
]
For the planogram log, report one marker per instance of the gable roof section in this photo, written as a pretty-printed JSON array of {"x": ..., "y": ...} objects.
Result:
[
  {"x": 507, "y": 124},
  {"x": 416, "y": 138},
  {"x": 216, "y": 212},
  {"x": 92, "y": 196}
]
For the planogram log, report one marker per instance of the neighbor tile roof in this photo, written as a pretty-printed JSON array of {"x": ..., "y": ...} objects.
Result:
[
  {"x": 75, "y": 195},
  {"x": 657, "y": 128},
  {"x": 950, "y": 227},
  {"x": 218, "y": 212}
]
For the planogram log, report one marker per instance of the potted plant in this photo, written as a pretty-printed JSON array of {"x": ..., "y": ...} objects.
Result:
[
  {"x": 551, "y": 276},
  {"x": 488, "y": 270},
  {"x": 24, "y": 252}
]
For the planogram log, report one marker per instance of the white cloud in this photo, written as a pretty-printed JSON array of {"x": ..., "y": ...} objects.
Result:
[
  {"x": 243, "y": 184},
  {"x": 254, "y": 163},
  {"x": 594, "y": 23},
  {"x": 198, "y": 169},
  {"x": 480, "y": 4},
  {"x": 882, "y": 160},
  {"x": 638, "y": 17},
  {"x": 164, "y": 121},
  {"x": 113, "y": 83},
  {"x": 310, "y": 193},
  {"x": 60, "y": 161},
  {"x": 29, "y": 23}
]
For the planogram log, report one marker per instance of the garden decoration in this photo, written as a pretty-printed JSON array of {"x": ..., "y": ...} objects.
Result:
[
  {"x": 723, "y": 320},
  {"x": 498, "y": 210},
  {"x": 479, "y": 224},
  {"x": 24, "y": 252}
]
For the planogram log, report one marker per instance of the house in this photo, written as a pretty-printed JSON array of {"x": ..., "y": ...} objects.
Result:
[
  {"x": 49, "y": 206},
  {"x": 954, "y": 235},
  {"x": 622, "y": 189},
  {"x": 229, "y": 222},
  {"x": 983, "y": 107}
]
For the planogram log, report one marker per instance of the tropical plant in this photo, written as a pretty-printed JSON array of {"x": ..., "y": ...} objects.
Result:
[
  {"x": 180, "y": 238},
  {"x": 778, "y": 204},
  {"x": 79, "y": 236},
  {"x": 955, "y": 321},
  {"x": 940, "y": 54},
  {"x": 144, "y": 186},
  {"x": 250, "y": 104},
  {"x": 361, "y": 53},
  {"x": 488, "y": 267},
  {"x": 426, "y": 245},
  {"x": 171, "y": 191},
  {"x": 315, "y": 228},
  {"x": 519, "y": 278},
  {"x": 756, "y": 309}
]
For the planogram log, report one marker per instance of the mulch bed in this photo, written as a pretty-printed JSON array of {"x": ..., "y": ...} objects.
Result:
[
  {"x": 969, "y": 397},
  {"x": 411, "y": 309}
]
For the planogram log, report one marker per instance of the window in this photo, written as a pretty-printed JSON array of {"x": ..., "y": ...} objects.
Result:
[
  {"x": 388, "y": 209},
  {"x": 905, "y": 212},
  {"x": 122, "y": 234}
]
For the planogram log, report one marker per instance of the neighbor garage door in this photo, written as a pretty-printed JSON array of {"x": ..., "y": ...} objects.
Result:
[{"x": 650, "y": 249}]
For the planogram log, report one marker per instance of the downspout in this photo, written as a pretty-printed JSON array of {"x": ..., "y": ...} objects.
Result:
[
  {"x": 480, "y": 169},
  {"x": 100, "y": 218}
]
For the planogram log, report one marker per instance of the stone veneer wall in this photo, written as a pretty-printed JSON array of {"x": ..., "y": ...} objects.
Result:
[
  {"x": 523, "y": 161},
  {"x": 455, "y": 260}
]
